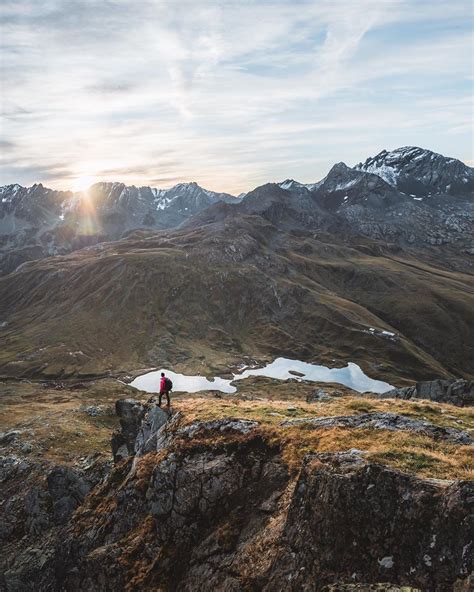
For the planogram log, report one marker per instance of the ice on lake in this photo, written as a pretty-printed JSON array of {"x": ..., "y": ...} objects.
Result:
[{"x": 351, "y": 376}]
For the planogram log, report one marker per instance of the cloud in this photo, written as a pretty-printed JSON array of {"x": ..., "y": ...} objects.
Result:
[
  {"x": 32, "y": 172},
  {"x": 229, "y": 94}
]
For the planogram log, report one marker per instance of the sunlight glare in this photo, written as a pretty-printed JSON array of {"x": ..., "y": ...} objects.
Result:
[{"x": 83, "y": 183}]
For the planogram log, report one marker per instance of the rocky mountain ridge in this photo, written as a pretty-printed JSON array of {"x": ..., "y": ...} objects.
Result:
[
  {"x": 407, "y": 196},
  {"x": 36, "y": 221}
]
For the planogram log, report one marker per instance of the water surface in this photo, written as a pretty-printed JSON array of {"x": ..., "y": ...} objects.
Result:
[{"x": 351, "y": 376}]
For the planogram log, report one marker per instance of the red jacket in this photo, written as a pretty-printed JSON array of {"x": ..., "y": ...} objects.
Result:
[{"x": 162, "y": 385}]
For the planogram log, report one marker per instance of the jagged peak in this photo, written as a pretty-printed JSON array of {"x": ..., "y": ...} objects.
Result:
[{"x": 339, "y": 167}]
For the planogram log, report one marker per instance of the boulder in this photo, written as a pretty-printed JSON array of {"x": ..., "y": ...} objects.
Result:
[
  {"x": 240, "y": 426},
  {"x": 457, "y": 392},
  {"x": 9, "y": 437},
  {"x": 317, "y": 396}
]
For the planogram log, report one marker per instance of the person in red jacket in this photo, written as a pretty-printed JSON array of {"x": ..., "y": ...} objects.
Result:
[{"x": 164, "y": 389}]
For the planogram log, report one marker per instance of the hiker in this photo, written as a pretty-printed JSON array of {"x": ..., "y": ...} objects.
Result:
[{"x": 165, "y": 388}]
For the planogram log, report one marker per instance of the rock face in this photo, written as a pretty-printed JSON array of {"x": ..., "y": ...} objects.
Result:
[
  {"x": 212, "y": 506},
  {"x": 37, "y": 500},
  {"x": 457, "y": 392},
  {"x": 384, "y": 421},
  {"x": 371, "y": 524},
  {"x": 130, "y": 413}
]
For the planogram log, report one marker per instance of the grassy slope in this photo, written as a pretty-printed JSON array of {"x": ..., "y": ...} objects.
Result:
[{"x": 199, "y": 299}]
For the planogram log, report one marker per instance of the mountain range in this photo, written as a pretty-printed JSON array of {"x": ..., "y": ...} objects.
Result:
[
  {"x": 372, "y": 264},
  {"x": 408, "y": 195}
]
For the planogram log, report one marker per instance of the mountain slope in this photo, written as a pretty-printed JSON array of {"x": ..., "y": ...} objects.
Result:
[
  {"x": 201, "y": 298},
  {"x": 353, "y": 203}
]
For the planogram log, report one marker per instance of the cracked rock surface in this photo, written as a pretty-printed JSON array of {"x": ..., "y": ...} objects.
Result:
[{"x": 384, "y": 421}]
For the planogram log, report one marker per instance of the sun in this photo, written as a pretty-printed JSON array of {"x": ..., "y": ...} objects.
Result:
[{"x": 83, "y": 183}]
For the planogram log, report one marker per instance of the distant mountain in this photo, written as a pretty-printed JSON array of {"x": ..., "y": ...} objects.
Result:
[
  {"x": 407, "y": 196},
  {"x": 421, "y": 172},
  {"x": 37, "y": 221},
  {"x": 355, "y": 202}
]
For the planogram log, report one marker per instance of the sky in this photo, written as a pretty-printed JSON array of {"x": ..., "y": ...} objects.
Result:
[{"x": 231, "y": 94}]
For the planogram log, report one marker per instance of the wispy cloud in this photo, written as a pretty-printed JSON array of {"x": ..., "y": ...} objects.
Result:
[{"x": 229, "y": 94}]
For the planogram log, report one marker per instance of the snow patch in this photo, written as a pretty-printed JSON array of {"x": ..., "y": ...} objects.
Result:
[
  {"x": 342, "y": 186},
  {"x": 386, "y": 172}
]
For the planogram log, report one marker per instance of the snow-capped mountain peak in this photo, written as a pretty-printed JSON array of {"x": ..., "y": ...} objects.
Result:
[{"x": 420, "y": 172}]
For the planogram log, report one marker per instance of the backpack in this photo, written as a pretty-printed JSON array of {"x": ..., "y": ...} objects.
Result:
[{"x": 169, "y": 384}]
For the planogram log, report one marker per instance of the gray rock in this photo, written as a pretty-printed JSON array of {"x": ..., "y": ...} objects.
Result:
[
  {"x": 9, "y": 437},
  {"x": 317, "y": 396},
  {"x": 384, "y": 421},
  {"x": 353, "y": 520},
  {"x": 457, "y": 392},
  {"x": 130, "y": 413},
  {"x": 93, "y": 410},
  {"x": 120, "y": 453},
  {"x": 37, "y": 515},
  {"x": 153, "y": 420},
  {"x": 67, "y": 490},
  {"x": 30, "y": 571},
  {"x": 242, "y": 426}
]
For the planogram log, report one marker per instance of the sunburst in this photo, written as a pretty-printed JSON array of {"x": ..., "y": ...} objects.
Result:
[{"x": 83, "y": 183}]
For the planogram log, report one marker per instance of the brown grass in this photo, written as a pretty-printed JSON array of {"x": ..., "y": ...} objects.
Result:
[
  {"x": 63, "y": 433},
  {"x": 403, "y": 450}
]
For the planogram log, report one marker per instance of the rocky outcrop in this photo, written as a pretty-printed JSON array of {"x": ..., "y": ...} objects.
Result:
[
  {"x": 457, "y": 392},
  {"x": 140, "y": 428},
  {"x": 384, "y": 421},
  {"x": 130, "y": 414},
  {"x": 149, "y": 428},
  {"x": 351, "y": 520},
  {"x": 212, "y": 505}
]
